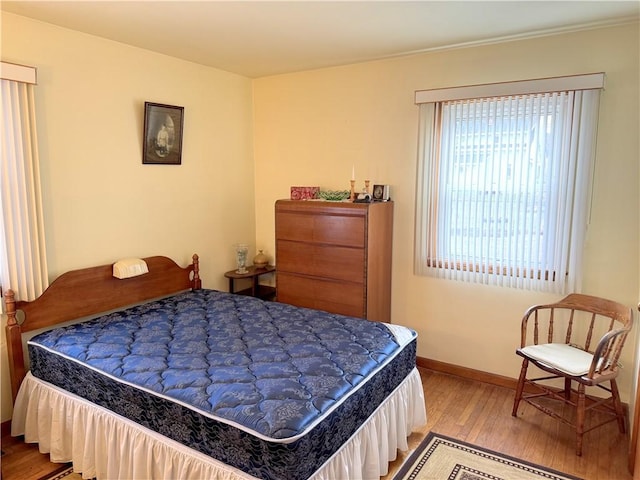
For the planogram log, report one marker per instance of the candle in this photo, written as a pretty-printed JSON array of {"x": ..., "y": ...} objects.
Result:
[{"x": 353, "y": 172}]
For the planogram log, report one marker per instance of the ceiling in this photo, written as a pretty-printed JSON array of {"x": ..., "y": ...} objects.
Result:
[{"x": 261, "y": 38}]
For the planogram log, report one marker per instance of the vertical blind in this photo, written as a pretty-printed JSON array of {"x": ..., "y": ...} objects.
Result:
[
  {"x": 503, "y": 188},
  {"x": 22, "y": 245}
]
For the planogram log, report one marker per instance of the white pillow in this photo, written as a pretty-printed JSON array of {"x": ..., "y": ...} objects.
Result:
[{"x": 130, "y": 267}]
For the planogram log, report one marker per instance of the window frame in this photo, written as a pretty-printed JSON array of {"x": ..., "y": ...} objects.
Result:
[{"x": 541, "y": 278}]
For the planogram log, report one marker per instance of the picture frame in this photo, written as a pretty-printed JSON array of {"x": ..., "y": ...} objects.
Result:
[
  {"x": 381, "y": 193},
  {"x": 163, "y": 129}
]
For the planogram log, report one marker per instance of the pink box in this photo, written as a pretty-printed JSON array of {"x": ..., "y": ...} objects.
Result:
[{"x": 304, "y": 193}]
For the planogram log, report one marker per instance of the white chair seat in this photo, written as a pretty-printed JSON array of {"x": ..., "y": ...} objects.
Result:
[{"x": 563, "y": 357}]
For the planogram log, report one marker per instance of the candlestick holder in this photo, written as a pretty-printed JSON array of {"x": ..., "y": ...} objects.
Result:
[
  {"x": 366, "y": 186},
  {"x": 352, "y": 197}
]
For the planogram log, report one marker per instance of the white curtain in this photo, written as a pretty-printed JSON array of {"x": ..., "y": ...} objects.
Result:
[
  {"x": 22, "y": 246},
  {"x": 503, "y": 189}
]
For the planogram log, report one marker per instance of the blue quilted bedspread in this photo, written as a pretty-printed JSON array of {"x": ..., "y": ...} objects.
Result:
[{"x": 207, "y": 364}]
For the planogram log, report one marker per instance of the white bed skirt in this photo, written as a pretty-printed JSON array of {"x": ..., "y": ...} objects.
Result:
[{"x": 104, "y": 445}]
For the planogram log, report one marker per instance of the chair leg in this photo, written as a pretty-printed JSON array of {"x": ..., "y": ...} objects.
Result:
[
  {"x": 567, "y": 388},
  {"x": 580, "y": 416},
  {"x": 615, "y": 395},
  {"x": 520, "y": 387}
]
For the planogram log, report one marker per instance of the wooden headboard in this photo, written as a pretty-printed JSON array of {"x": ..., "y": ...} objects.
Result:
[{"x": 88, "y": 292}]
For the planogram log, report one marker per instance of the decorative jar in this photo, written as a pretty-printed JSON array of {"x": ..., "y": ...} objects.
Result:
[{"x": 260, "y": 260}]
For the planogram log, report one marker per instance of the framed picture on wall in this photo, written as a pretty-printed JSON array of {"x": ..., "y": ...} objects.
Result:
[{"x": 162, "y": 134}]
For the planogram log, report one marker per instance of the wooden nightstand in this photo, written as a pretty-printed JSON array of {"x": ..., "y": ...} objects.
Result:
[{"x": 261, "y": 291}]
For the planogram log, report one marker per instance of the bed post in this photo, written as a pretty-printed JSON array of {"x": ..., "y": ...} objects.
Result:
[
  {"x": 14, "y": 344},
  {"x": 196, "y": 282}
]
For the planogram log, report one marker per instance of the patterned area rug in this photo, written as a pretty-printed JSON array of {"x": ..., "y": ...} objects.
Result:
[
  {"x": 64, "y": 472},
  {"x": 443, "y": 458}
]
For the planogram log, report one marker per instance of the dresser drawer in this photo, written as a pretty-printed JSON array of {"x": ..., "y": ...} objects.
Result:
[
  {"x": 344, "y": 230},
  {"x": 332, "y": 296},
  {"x": 340, "y": 263}
]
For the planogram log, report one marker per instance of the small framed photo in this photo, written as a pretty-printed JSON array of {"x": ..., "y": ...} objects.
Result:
[
  {"x": 381, "y": 193},
  {"x": 162, "y": 134}
]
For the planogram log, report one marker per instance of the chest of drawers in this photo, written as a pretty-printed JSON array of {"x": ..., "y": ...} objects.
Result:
[{"x": 335, "y": 256}]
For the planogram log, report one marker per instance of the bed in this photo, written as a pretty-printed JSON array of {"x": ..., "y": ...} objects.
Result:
[{"x": 165, "y": 379}]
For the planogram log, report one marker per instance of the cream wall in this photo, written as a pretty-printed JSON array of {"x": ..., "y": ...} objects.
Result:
[
  {"x": 311, "y": 127},
  {"x": 100, "y": 202}
]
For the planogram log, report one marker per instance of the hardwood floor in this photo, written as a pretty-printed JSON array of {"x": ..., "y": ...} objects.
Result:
[
  {"x": 468, "y": 410},
  {"x": 480, "y": 413}
]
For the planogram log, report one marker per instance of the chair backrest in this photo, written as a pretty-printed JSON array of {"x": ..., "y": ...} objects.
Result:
[{"x": 593, "y": 324}]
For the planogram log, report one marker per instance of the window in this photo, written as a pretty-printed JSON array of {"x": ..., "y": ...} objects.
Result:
[
  {"x": 503, "y": 187},
  {"x": 22, "y": 250}
]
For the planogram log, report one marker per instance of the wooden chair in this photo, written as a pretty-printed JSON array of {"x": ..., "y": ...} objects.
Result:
[{"x": 578, "y": 339}]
